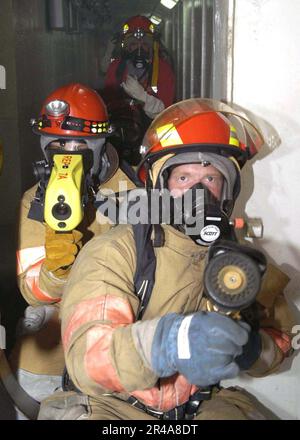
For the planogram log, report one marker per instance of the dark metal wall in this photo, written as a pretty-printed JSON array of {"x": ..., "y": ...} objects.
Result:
[
  {"x": 196, "y": 33},
  {"x": 38, "y": 59}
]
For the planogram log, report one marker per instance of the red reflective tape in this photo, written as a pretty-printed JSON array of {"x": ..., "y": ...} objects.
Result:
[
  {"x": 282, "y": 340},
  {"x": 171, "y": 392},
  {"x": 103, "y": 308},
  {"x": 32, "y": 281},
  {"x": 97, "y": 361}
]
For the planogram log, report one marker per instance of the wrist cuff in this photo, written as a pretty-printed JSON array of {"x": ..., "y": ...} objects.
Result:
[{"x": 251, "y": 351}]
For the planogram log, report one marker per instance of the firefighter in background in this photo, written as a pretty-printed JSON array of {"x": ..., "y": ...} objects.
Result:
[
  {"x": 154, "y": 349},
  {"x": 73, "y": 119},
  {"x": 139, "y": 83}
]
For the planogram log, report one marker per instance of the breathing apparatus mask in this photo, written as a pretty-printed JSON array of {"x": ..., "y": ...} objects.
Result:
[
  {"x": 139, "y": 50},
  {"x": 199, "y": 215},
  {"x": 139, "y": 58}
]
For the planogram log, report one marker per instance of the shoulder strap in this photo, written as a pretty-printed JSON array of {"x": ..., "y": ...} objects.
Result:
[
  {"x": 130, "y": 173},
  {"x": 144, "y": 277}
]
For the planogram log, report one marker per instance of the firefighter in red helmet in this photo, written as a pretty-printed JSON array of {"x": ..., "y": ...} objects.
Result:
[
  {"x": 140, "y": 339},
  {"x": 141, "y": 76},
  {"x": 73, "y": 120}
]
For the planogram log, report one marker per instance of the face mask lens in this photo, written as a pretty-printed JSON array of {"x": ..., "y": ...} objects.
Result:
[
  {"x": 63, "y": 146},
  {"x": 214, "y": 184}
]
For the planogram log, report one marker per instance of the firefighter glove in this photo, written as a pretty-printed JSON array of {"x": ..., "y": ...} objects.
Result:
[
  {"x": 202, "y": 347},
  {"x": 61, "y": 251},
  {"x": 134, "y": 89}
]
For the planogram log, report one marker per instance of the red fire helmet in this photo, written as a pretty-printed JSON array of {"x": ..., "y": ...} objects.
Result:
[
  {"x": 199, "y": 125},
  {"x": 73, "y": 111}
]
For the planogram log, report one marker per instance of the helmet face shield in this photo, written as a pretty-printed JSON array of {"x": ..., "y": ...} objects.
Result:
[{"x": 202, "y": 125}]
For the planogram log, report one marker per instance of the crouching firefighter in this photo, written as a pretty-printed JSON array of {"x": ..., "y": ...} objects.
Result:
[
  {"x": 145, "y": 335},
  {"x": 57, "y": 218}
]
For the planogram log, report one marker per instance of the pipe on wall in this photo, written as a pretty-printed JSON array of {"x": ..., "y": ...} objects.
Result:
[{"x": 200, "y": 33}]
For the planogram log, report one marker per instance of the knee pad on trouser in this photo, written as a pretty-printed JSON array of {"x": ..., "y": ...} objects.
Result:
[
  {"x": 67, "y": 405},
  {"x": 38, "y": 386},
  {"x": 231, "y": 403}
]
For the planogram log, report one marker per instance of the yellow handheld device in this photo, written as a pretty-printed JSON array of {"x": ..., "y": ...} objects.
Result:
[{"x": 63, "y": 209}]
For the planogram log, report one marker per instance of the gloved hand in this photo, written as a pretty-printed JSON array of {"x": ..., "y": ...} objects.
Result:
[
  {"x": 251, "y": 351},
  {"x": 34, "y": 319},
  {"x": 134, "y": 89},
  {"x": 152, "y": 105},
  {"x": 202, "y": 347},
  {"x": 61, "y": 250}
]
